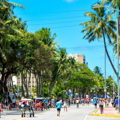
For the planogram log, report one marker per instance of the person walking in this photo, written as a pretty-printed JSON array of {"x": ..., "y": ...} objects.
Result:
[
  {"x": 101, "y": 105},
  {"x": 17, "y": 104},
  {"x": 65, "y": 105},
  {"x": 58, "y": 108},
  {"x": 14, "y": 101},
  {"x": 69, "y": 103},
  {"x": 77, "y": 102},
  {"x": 116, "y": 104},
  {"x": 95, "y": 103}
]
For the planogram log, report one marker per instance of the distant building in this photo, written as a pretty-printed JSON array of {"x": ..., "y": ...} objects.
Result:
[
  {"x": 78, "y": 57},
  {"x": 30, "y": 81}
]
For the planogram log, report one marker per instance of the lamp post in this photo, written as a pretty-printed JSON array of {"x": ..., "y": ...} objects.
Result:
[
  {"x": 117, "y": 16},
  {"x": 105, "y": 74}
]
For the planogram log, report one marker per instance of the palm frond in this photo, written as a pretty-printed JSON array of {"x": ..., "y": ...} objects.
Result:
[{"x": 16, "y": 4}]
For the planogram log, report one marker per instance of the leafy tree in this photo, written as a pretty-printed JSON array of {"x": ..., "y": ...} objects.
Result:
[
  {"x": 8, "y": 31},
  {"x": 100, "y": 26},
  {"x": 58, "y": 64},
  {"x": 58, "y": 91}
]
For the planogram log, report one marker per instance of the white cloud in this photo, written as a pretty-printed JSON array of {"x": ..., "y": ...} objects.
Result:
[{"x": 70, "y": 0}]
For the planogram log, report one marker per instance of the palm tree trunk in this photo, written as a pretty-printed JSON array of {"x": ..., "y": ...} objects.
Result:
[
  {"x": 68, "y": 79},
  {"x": 79, "y": 93},
  {"x": 22, "y": 84},
  {"x": 27, "y": 83},
  {"x": 52, "y": 86},
  {"x": 37, "y": 83},
  {"x": 108, "y": 53}
]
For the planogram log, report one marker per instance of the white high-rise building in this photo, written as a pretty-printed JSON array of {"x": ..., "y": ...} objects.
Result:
[{"x": 78, "y": 57}]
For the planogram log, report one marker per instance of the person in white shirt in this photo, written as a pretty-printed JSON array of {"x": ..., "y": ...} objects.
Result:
[
  {"x": 77, "y": 102},
  {"x": 65, "y": 105}
]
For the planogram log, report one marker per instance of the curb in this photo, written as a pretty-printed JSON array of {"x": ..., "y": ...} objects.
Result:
[{"x": 105, "y": 115}]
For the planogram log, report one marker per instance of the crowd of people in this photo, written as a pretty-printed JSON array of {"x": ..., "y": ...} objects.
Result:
[
  {"x": 101, "y": 102},
  {"x": 58, "y": 103}
]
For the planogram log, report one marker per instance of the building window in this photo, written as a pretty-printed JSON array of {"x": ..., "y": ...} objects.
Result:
[
  {"x": 32, "y": 77},
  {"x": 18, "y": 78}
]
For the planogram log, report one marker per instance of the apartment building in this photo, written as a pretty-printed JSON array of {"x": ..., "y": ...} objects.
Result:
[
  {"x": 30, "y": 81},
  {"x": 78, "y": 57}
]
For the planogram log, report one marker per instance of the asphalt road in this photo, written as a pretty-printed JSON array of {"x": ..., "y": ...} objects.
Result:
[
  {"x": 73, "y": 113},
  {"x": 81, "y": 113}
]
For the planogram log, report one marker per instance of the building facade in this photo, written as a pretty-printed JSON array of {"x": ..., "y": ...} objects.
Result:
[
  {"x": 78, "y": 57},
  {"x": 30, "y": 81}
]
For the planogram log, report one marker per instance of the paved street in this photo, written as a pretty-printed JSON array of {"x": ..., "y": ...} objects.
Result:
[{"x": 82, "y": 113}]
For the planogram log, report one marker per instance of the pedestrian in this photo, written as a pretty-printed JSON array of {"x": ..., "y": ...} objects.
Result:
[
  {"x": 65, "y": 105},
  {"x": 77, "y": 103},
  {"x": 88, "y": 102},
  {"x": 7, "y": 106},
  {"x": 95, "y": 103},
  {"x": 116, "y": 104},
  {"x": 58, "y": 108},
  {"x": 14, "y": 101},
  {"x": 114, "y": 101},
  {"x": 101, "y": 105},
  {"x": 17, "y": 104},
  {"x": 25, "y": 102},
  {"x": 69, "y": 103},
  {"x": 20, "y": 103}
]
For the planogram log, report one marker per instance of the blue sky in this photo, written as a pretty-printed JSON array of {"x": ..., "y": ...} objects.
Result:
[{"x": 64, "y": 17}]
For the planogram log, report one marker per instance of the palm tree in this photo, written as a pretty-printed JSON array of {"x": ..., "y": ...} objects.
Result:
[
  {"x": 97, "y": 70},
  {"x": 100, "y": 26},
  {"x": 7, "y": 32},
  {"x": 58, "y": 65},
  {"x": 7, "y": 18},
  {"x": 45, "y": 36},
  {"x": 111, "y": 2}
]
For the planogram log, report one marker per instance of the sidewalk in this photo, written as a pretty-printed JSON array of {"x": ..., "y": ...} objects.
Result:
[{"x": 107, "y": 112}]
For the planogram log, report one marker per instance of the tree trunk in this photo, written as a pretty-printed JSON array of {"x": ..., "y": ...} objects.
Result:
[
  {"x": 108, "y": 53},
  {"x": 39, "y": 88},
  {"x": 26, "y": 85},
  {"x": 68, "y": 79},
  {"x": 79, "y": 93},
  {"x": 37, "y": 84},
  {"x": 23, "y": 94},
  {"x": 51, "y": 87},
  {"x": 73, "y": 93}
]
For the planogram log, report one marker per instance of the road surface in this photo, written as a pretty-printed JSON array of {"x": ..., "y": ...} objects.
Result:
[{"x": 81, "y": 113}]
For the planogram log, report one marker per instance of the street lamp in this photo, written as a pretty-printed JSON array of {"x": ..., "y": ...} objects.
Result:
[{"x": 98, "y": 6}]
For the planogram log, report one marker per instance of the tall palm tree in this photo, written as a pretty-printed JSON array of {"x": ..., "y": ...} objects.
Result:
[
  {"x": 7, "y": 31},
  {"x": 100, "y": 26},
  {"x": 97, "y": 70},
  {"x": 45, "y": 36},
  {"x": 59, "y": 62}
]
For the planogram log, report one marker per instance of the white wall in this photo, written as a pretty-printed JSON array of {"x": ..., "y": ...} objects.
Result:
[{"x": 14, "y": 78}]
